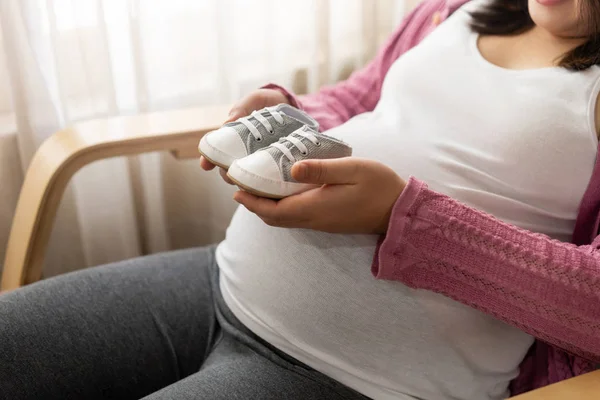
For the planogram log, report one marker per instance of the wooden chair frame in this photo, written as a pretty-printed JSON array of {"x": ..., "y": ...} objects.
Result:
[{"x": 67, "y": 151}]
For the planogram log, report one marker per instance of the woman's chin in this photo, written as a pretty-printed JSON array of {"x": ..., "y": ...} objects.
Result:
[{"x": 559, "y": 17}]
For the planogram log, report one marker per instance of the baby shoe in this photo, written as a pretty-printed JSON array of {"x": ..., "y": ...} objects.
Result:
[
  {"x": 267, "y": 173},
  {"x": 246, "y": 135}
]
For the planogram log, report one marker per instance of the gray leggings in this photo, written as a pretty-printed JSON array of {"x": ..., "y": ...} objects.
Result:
[{"x": 155, "y": 326}]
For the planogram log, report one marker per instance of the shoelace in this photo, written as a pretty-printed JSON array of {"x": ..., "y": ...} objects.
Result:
[
  {"x": 296, "y": 142},
  {"x": 261, "y": 120}
]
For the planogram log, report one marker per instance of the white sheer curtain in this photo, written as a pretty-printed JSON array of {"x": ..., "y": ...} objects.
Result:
[{"x": 63, "y": 61}]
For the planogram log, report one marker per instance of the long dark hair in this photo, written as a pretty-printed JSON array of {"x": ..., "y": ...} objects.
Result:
[{"x": 506, "y": 17}]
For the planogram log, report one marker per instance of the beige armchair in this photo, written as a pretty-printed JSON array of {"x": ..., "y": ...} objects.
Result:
[{"x": 178, "y": 132}]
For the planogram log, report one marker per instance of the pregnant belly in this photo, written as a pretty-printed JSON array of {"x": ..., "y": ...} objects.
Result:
[
  {"x": 312, "y": 294},
  {"x": 302, "y": 282},
  {"x": 280, "y": 272}
]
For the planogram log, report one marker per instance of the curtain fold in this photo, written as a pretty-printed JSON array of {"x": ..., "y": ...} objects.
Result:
[{"x": 63, "y": 61}]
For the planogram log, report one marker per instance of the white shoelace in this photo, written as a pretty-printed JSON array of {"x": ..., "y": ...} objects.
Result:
[
  {"x": 296, "y": 142},
  {"x": 262, "y": 120}
]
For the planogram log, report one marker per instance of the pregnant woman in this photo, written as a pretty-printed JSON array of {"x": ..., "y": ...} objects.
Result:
[{"x": 475, "y": 150}]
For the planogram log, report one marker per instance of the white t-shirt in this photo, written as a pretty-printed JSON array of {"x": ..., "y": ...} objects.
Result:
[{"x": 519, "y": 145}]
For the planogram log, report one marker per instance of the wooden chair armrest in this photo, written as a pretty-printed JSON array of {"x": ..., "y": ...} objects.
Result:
[
  {"x": 584, "y": 387},
  {"x": 68, "y": 150}
]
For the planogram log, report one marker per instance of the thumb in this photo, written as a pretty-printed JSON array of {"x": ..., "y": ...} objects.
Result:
[
  {"x": 235, "y": 113},
  {"x": 338, "y": 171}
]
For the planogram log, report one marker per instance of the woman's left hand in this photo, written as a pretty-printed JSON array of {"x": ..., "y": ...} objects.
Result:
[{"x": 357, "y": 196}]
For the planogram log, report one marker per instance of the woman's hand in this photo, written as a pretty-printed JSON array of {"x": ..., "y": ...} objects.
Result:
[
  {"x": 357, "y": 196},
  {"x": 256, "y": 100}
]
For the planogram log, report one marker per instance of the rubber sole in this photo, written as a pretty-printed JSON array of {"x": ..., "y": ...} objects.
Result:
[
  {"x": 264, "y": 187},
  {"x": 254, "y": 191},
  {"x": 210, "y": 160}
]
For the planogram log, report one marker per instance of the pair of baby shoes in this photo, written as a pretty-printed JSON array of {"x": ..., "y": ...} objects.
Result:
[{"x": 259, "y": 151}]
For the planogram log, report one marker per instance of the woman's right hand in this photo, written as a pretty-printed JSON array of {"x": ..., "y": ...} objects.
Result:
[{"x": 256, "y": 100}]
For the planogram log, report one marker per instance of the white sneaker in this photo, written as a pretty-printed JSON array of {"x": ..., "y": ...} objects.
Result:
[
  {"x": 240, "y": 138},
  {"x": 267, "y": 173}
]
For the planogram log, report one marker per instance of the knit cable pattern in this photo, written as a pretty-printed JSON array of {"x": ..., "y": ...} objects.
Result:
[{"x": 547, "y": 288}]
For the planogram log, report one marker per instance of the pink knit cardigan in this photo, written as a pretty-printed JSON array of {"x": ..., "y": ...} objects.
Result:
[{"x": 547, "y": 288}]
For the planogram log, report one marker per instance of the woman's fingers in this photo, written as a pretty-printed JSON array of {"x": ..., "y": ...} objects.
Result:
[
  {"x": 255, "y": 101},
  {"x": 208, "y": 166},
  {"x": 295, "y": 210},
  {"x": 223, "y": 173},
  {"x": 263, "y": 207},
  {"x": 240, "y": 110},
  {"x": 205, "y": 164}
]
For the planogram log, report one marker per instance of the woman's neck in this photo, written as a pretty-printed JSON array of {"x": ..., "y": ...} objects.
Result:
[{"x": 549, "y": 44}]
